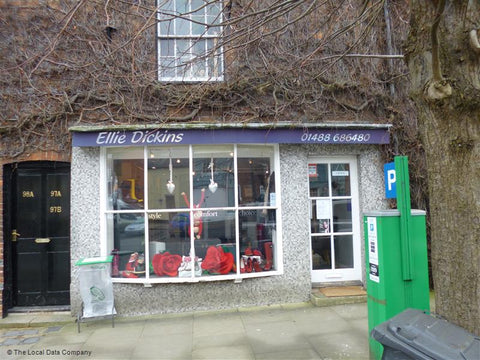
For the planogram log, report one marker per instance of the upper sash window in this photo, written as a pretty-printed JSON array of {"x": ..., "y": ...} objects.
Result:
[{"x": 188, "y": 40}]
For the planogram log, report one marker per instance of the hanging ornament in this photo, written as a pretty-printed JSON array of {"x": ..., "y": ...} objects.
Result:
[
  {"x": 213, "y": 185},
  {"x": 170, "y": 184}
]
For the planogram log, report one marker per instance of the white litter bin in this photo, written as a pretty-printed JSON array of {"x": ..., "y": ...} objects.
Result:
[{"x": 96, "y": 288}]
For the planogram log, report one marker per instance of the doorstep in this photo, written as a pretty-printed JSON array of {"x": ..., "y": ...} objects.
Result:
[
  {"x": 36, "y": 319},
  {"x": 329, "y": 296}
]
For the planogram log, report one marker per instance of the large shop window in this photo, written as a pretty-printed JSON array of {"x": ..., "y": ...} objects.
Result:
[{"x": 191, "y": 213}]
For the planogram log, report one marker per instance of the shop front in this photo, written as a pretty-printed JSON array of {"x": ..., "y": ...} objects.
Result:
[{"x": 202, "y": 217}]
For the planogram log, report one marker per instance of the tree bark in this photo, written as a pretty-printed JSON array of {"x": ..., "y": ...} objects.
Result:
[{"x": 449, "y": 119}]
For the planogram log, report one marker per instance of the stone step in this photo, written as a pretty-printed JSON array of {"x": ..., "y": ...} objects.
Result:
[{"x": 329, "y": 296}]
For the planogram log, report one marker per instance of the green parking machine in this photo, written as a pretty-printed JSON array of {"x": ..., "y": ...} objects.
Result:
[{"x": 396, "y": 259}]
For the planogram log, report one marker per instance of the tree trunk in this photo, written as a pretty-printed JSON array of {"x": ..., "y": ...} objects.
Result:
[{"x": 446, "y": 91}]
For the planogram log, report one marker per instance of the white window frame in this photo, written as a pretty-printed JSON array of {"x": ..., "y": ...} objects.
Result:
[
  {"x": 341, "y": 274},
  {"x": 236, "y": 277},
  {"x": 170, "y": 17}
]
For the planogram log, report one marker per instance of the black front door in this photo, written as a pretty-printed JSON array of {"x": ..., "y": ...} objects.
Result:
[{"x": 40, "y": 234}]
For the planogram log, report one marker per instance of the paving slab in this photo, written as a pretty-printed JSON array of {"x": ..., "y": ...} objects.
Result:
[{"x": 290, "y": 331}]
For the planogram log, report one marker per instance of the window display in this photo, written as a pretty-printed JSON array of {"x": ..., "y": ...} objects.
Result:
[{"x": 189, "y": 212}]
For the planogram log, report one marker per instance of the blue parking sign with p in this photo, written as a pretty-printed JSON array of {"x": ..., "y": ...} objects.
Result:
[{"x": 390, "y": 180}]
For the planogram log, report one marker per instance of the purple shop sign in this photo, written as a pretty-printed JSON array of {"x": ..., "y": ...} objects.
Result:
[{"x": 231, "y": 136}]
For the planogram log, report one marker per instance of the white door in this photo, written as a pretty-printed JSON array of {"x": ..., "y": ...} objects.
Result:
[{"x": 334, "y": 219}]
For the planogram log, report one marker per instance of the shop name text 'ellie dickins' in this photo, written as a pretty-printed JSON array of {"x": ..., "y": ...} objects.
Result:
[{"x": 138, "y": 137}]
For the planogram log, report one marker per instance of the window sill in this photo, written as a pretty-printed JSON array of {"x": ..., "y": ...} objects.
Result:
[
  {"x": 176, "y": 280},
  {"x": 174, "y": 81}
]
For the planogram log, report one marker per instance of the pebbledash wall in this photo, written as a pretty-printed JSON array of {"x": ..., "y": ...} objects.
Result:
[{"x": 293, "y": 285}]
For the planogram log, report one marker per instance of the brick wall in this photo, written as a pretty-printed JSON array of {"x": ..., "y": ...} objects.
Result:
[{"x": 1, "y": 241}]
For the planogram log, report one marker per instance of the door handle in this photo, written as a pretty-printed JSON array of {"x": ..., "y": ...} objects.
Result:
[
  {"x": 42, "y": 240},
  {"x": 15, "y": 234}
]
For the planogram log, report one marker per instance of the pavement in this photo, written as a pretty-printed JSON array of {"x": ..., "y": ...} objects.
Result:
[{"x": 313, "y": 330}]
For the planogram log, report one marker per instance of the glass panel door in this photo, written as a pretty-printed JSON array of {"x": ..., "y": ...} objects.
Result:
[{"x": 334, "y": 220}]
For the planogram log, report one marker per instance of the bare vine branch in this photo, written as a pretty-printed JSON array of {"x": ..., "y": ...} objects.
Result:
[{"x": 285, "y": 60}]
